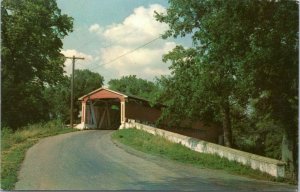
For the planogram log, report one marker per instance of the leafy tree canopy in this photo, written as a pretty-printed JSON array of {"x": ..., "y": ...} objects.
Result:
[
  {"x": 31, "y": 34},
  {"x": 58, "y": 96},
  {"x": 243, "y": 64},
  {"x": 86, "y": 81},
  {"x": 134, "y": 86}
]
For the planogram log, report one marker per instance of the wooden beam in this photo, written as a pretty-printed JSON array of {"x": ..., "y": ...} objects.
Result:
[
  {"x": 102, "y": 118},
  {"x": 108, "y": 117},
  {"x": 93, "y": 114}
]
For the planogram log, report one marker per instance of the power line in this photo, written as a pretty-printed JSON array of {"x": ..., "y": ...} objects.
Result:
[
  {"x": 110, "y": 44},
  {"x": 129, "y": 52},
  {"x": 103, "y": 47}
]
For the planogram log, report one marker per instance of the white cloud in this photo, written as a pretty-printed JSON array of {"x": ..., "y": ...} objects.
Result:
[
  {"x": 81, "y": 64},
  {"x": 95, "y": 29},
  {"x": 145, "y": 63},
  {"x": 137, "y": 29}
]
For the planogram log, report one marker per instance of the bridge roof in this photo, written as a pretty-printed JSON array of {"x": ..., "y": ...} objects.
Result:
[{"x": 103, "y": 93}]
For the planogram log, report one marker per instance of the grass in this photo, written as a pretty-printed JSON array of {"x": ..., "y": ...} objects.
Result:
[
  {"x": 15, "y": 144},
  {"x": 157, "y": 145}
]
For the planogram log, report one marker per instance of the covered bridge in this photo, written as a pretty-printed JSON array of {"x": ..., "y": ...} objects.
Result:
[{"x": 107, "y": 109}]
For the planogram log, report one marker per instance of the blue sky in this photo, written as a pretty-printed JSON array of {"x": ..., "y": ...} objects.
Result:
[{"x": 106, "y": 29}]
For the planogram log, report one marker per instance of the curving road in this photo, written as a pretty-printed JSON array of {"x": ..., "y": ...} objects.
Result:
[{"x": 89, "y": 160}]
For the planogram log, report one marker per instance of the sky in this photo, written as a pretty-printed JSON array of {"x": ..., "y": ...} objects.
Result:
[{"x": 105, "y": 30}]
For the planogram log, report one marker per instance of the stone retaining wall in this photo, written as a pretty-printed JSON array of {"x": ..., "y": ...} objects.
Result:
[{"x": 273, "y": 167}]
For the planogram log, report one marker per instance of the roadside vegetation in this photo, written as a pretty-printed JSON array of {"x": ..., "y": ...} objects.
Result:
[
  {"x": 157, "y": 145},
  {"x": 15, "y": 144},
  {"x": 240, "y": 73}
]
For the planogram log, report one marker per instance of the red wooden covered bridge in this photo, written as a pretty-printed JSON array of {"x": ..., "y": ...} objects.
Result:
[{"x": 107, "y": 109}]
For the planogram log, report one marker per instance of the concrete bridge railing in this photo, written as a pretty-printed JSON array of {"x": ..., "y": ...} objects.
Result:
[{"x": 273, "y": 167}]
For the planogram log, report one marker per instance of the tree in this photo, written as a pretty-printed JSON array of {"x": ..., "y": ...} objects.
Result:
[
  {"x": 58, "y": 100},
  {"x": 244, "y": 57},
  {"x": 214, "y": 77},
  {"x": 183, "y": 90},
  {"x": 58, "y": 96},
  {"x": 134, "y": 86},
  {"x": 31, "y": 35},
  {"x": 272, "y": 64}
]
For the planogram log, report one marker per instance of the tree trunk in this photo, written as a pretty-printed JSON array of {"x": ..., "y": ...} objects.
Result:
[
  {"x": 289, "y": 152},
  {"x": 227, "y": 124}
]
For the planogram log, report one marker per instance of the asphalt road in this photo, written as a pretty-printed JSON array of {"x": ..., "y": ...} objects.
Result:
[{"x": 89, "y": 160}]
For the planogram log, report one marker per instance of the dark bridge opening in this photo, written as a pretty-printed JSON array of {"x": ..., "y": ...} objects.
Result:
[{"x": 106, "y": 113}]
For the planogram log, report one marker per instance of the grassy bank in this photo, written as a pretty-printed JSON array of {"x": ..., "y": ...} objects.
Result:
[
  {"x": 15, "y": 144},
  {"x": 157, "y": 145}
]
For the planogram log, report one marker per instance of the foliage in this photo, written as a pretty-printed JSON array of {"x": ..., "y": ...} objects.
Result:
[
  {"x": 259, "y": 136},
  {"x": 244, "y": 65},
  {"x": 207, "y": 69},
  {"x": 15, "y": 144},
  {"x": 31, "y": 34},
  {"x": 157, "y": 145},
  {"x": 182, "y": 92},
  {"x": 134, "y": 86},
  {"x": 272, "y": 64},
  {"x": 58, "y": 96}
]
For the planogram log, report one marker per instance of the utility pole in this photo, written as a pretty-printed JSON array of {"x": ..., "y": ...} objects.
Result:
[{"x": 72, "y": 86}]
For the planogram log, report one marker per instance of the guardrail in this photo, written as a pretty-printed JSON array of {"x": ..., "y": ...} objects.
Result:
[{"x": 273, "y": 167}]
